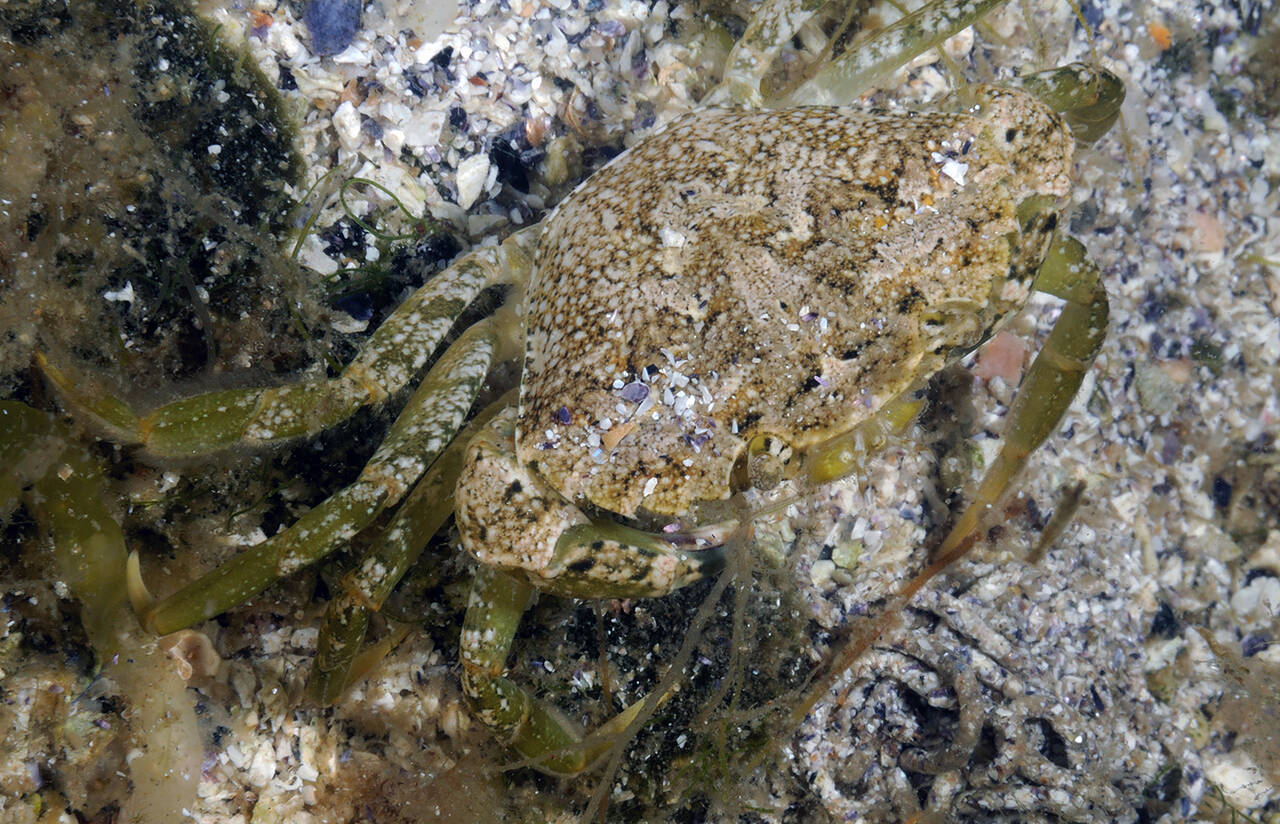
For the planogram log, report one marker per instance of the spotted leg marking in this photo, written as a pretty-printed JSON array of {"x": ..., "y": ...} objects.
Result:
[
  {"x": 423, "y": 429},
  {"x": 365, "y": 589},
  {"x": 389, "y": 360}
]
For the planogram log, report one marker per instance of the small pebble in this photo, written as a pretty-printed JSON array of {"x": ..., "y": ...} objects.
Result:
[
  {"x": 472, "y": 174},
  {"x": 845, "y": 555},
  {"x": 1157, "y": 392}
]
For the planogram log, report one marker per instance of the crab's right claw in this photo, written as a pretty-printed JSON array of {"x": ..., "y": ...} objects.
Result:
[{"x": 1088, "y": 97}]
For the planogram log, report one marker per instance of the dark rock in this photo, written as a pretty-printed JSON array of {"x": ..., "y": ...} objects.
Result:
[{"x": 332, "y": 23}]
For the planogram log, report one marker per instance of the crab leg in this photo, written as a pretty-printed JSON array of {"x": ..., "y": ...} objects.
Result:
[
  {"x": 846, "y": 453},
  {"x": 61, "y": 485},
  {"x": 1045, "y": 394},
  {"x": 389, "y": 360},
  {"x": 423, "y": 429},
  {"x": 535, "y": 538},
  {"x": 1051, "y": 383},
  {"x": 773, "y": 25},
  {"x": 536, "y": 532},
  {"x": 499, "y": 598},
  {"x": 366, "y": 587},
  {"x": 841, "y": 80},
  {"x": 1088, "y": 98},
  {"x": 876, "y": 58}
]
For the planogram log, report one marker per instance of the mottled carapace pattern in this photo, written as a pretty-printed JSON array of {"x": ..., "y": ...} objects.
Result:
[{"x": 780, "y": 272}]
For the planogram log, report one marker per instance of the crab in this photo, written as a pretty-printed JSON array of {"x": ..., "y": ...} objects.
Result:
[{"x": 745, "y": 300}]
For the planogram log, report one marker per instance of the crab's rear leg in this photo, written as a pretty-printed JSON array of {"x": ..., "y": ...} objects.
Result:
[
  {"x": 366, "y": 587},
  {"x": 869, "y": 62},
  {"x": 391, "y": 358},
  {"x": 425, "y": 427}
]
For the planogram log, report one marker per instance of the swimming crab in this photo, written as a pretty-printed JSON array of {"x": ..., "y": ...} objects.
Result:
[{"x": 746, "y": 298}]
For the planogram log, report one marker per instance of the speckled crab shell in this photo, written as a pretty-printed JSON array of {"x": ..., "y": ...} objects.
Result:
[{"x": 770, "y": 272}]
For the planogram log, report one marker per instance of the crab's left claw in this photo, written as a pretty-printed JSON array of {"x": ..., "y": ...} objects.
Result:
[{"x": 532, "y": 728}]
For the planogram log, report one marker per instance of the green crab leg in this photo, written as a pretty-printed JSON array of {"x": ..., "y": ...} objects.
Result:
[
  {"x": 845, "y": 454},
  {"x": 1088, "y": 98},
  {"x": 592, "y": 560},
  {"x": 389, "y": 360},
  {"x": 533, "y": 729},
  {"x": 1044, "y": 396},
  {"x": 366, "y": 588},
  {"x": 773, "y": 25},
  {"x": 61, "y": 485},
  {"x": 498, "y": 599},
  {"x": 423, "y": 430},
  {"x": 1051, "y": 383},
  {"x": 497, "y": 602},
  {"x": 873, "y": 60}
]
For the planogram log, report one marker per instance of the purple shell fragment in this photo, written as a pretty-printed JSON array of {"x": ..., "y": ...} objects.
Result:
[
  {"x": 1252, "y": 645},
  {"x": 634, "y": 392},
  {"x": 611, "y": 28}
]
